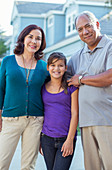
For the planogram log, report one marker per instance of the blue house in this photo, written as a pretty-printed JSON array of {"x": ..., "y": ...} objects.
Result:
[{"x": 57, "y": 21}]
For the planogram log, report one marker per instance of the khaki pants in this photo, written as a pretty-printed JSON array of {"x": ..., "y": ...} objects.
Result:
[
  {"x": 29, "y": 129},
  {"x": 97, "y": 145}
]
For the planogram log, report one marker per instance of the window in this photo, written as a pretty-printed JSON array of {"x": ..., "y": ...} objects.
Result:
[
  {"x": 73, "y": 22},
  {"x": 50, "y": 21},
  {"x": 70, "y": 27},
  {"x": 69, "y": 24}
]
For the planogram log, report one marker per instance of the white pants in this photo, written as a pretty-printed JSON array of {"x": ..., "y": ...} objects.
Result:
[
  {"x": 29, "y": 129},
  {"x": 97, "y": 145}
]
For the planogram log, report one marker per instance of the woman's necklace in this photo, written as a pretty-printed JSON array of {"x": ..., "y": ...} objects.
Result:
[{"x": 27, "y": 73}]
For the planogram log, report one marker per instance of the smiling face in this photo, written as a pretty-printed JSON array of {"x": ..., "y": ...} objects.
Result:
[
  {"x": 57, "y": 68},
  {"x": 89, "y": 31},
  {"x": 32, "y": 41}
]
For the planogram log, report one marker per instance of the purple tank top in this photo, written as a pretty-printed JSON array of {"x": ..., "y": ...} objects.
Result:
[{"x": 57, "y": 112}]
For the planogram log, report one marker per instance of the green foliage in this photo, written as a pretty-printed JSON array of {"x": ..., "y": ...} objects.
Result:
[
  {"x": 3, "y": 47},
  {"x": 79, "y": 131}
]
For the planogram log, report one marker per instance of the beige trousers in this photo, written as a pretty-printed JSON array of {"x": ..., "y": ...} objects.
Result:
[
  {"x": 29, "y": 129},
  {"x": 97, "y": 145}
]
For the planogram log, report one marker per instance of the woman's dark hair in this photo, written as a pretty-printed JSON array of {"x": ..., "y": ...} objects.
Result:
[
  {"x": 19, "y": 49},
  {"x": 59, "y": 56}
]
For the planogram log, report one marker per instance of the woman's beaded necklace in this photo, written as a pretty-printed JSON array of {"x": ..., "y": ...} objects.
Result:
[{"x": 27, "y": 73}]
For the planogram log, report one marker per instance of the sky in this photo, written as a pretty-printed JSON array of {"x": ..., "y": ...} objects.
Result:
[{"x": 6, "y": 7}]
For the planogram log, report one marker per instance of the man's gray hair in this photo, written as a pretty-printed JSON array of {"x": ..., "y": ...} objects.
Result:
[{"x": 89, "y": 14}]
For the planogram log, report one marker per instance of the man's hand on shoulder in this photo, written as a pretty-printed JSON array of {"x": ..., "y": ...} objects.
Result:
[{"x": 75, "y": 80}]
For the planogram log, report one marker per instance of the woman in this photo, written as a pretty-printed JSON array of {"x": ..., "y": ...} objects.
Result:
[{"x": 21, "y": 78}]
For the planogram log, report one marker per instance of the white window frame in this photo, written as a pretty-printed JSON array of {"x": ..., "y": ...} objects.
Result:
[
  {"x": 51, "y": 21},
  {"x": 69, "y": 25}
]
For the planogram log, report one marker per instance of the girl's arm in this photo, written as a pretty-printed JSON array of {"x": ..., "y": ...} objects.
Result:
[{"x": 67, "y": 147}]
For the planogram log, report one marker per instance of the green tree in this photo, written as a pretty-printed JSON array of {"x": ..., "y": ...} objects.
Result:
[{"x": 3, "y": 47}]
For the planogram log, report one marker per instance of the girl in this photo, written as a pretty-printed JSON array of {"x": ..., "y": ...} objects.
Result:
[{"x": 58, "y": 136}]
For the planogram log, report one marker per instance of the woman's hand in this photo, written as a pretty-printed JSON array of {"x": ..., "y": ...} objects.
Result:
[{"x": 67, "y": 148}]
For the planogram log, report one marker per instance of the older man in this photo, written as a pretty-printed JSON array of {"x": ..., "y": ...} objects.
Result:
[{"x": 92, "y": 70}]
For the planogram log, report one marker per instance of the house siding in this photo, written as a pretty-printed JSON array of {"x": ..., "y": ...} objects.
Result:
[{"x": 56, "y": 34}]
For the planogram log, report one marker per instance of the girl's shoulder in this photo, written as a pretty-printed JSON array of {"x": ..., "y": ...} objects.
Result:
[{"x": 71, "y": 89}]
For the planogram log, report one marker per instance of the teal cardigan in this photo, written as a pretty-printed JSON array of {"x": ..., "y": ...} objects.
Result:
[{"x": 17, "y": 98}]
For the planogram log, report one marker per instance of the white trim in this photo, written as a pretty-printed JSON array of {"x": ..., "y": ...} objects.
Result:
[
  {"x": 93, "y": 3},
  {"x": 32, "y": 15},
  {"x": 72, "y": 22},
  {"x": 50, "y": 21},
  {"x": 70, "y": 33},
  {"x": 106, "y": 16},
  {"x": 41, "y": 15},
  {"x": 51, "y": 12},
  {"x": 62, "y": 44},
  {"x": 70, "y": 2}
]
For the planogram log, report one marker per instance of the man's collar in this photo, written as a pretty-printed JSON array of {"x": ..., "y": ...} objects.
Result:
[{"x": 101, "y": 44}]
